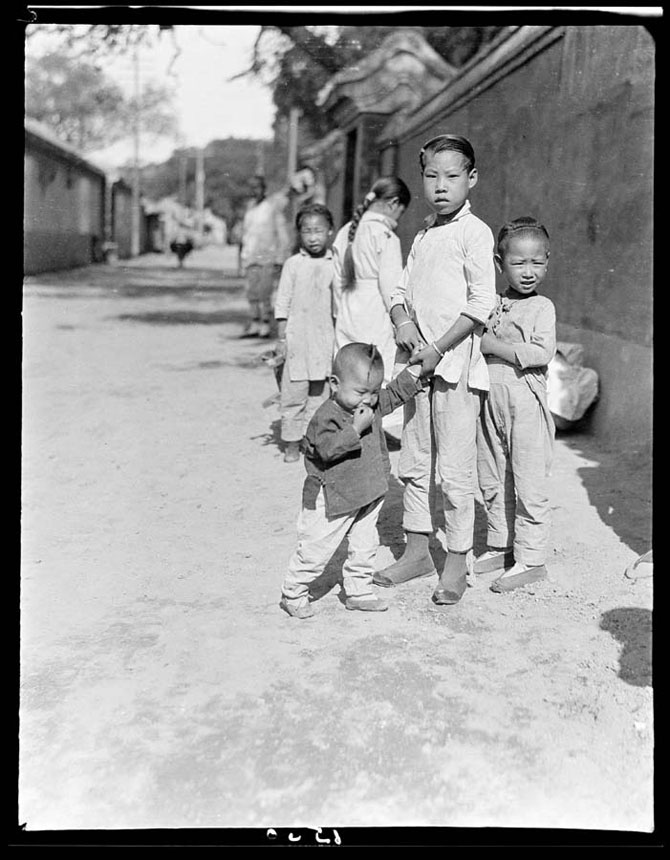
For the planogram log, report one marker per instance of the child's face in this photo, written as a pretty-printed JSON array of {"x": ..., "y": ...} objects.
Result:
[
  {"x": 356, "y": 386},
  {"x": 314, "y": 234},
  {"x": 524, "y": 262},
  {"x": 446, "y": 181}
]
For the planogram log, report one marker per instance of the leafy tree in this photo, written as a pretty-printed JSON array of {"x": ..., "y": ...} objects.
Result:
[
  {"x": 300, "y": 63},
  {"x": 91, "y": 41},
  {"x": 75, "y": 99},
  {"x": 67, "y": 88}
]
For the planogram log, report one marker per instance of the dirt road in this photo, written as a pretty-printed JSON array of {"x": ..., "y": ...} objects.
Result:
[{"x": 161, "y": 685}]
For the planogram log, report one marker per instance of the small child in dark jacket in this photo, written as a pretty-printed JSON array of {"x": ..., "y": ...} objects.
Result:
[{"x": 348, "y": 469}]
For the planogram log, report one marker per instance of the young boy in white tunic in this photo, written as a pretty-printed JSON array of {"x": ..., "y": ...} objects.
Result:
[
  {"x": 303, "y": 310},
  {"x": 445, "y": 296},
  {"x": 516, "y": 431}
]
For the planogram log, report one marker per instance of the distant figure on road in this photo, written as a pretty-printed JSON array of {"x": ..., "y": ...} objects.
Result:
[
  {"x": 265, "y": 246},
  {"x": 182, "y": 247}
]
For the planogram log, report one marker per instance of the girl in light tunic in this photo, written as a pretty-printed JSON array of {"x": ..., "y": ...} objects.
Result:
[
  {"x": 515, "y": 432},
  {"x": 368, "y": 265}
]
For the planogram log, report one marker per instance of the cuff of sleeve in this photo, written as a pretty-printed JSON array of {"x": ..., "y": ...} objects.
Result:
[
  {"x": 474, "y": 317},
  {"x": 518, "y": 360},
  {"x": 407, "y": 380},
  {"x": 524, "y": 361},
  {"x": 350, "y": 437}
]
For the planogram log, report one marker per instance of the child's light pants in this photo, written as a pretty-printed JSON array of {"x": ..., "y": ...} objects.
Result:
[
  {"x": 514, "y": 452},
  {"x": 259, "y": 288},
  {"x": 440, "y": 431},
  {"x": 299, "y": 401},
  {"x": 318, "y": 538}
]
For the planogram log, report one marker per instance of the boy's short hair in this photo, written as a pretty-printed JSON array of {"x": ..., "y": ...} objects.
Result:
[
  {"x": 314, "y": 209},
  {"x": 452, "y": 142},
  {"x": 353, "y": 356},
  {"x": 519, "y": 227}
]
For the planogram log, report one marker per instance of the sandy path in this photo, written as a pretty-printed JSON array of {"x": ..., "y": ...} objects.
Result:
[{"x": 162, "y": 686}]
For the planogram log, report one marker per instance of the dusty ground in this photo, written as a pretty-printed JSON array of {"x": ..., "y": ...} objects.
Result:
[{"x": 161, "y": 685}]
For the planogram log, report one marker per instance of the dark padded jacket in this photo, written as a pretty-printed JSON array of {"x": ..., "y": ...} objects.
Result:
[{"x": 353, "y": 470}]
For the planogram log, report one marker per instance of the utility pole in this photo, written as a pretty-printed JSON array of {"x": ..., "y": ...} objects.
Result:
[
  {"x": 135, "y": 198},
  {"x": 200, "y": 191},
  {"x": 183, "y": 168},
  {"x": 260, "y": 159},
  {"x": 293, "y": 120}
]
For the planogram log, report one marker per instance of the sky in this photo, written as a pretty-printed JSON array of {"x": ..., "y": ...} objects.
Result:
[{"x": 208, "y": 104}]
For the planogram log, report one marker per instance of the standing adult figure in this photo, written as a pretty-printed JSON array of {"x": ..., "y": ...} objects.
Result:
[
  {"x": 265, "y": 245},
  {"x": 368, "y": 265}
]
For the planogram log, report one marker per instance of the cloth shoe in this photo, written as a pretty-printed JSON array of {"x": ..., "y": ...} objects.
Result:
[
  {"x": 405, "y": 569},
  {"x": 301, "y": 610},
  {"x": 454, "y": 578},
  {"x": 368, "y": 603},
  {"x": 518, "y": 580},
  {"x": 493, "y": 560},
  {"x": 252, "y": 329},
  {"x": 292, "y": 452}
]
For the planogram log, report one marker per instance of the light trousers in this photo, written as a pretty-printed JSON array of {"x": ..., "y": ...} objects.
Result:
[
  {"x": 299, "y": 401},
  {"x": 319, "y": 537},
  {"x": 438, "y": 459},
  {"x": 514, "y": 453},
  {"x": 261, "y": 279}
]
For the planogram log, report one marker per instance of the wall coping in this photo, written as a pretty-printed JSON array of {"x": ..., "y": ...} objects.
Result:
[
  {"x": 362, "y": 87},
  {"x": 502, "y": 56},
  {"x": 41, "y": 136}
]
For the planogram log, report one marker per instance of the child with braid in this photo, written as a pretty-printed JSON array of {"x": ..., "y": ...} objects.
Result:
[
  {"x": 348, "y": 469},
  {"x": 367, "y": 260}
]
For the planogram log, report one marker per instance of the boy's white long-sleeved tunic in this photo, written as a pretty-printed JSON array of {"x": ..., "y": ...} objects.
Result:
[
  {"x": 304, "y": 299},
  {"x": 449, "y": 272}
]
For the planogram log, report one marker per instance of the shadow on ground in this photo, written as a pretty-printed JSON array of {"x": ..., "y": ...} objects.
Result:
[
  {"x": 632, "y": 627},
  {"x": 273, "y": 436},
  {"x": 188, "y": 317},
  {"x": 136, "y": 281},
  {"x": 619, "y": 486}
]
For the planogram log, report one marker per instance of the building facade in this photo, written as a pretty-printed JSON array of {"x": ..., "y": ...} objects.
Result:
[
  {"x": 63, "y": 204},
  {"x": 562, "y": 122}
]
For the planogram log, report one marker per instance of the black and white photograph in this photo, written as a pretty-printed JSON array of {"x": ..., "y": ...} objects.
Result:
[{"x": 336, "y": 426}]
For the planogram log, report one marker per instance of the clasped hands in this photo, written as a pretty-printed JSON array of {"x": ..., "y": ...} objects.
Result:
[{"x": 407, "y": 337}]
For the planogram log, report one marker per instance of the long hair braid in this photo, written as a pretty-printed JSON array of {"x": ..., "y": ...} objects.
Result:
[
  {"x": 385, "y": 188},
  {"x": 359, "y": 211}
]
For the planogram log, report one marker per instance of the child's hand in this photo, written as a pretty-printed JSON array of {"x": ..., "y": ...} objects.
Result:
[
  {"x": 407, "y": 337},
  {"x": 428, "y": 358},
  {"x": 362, "y": 418},
  {"x": 280, "y": 349}
]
